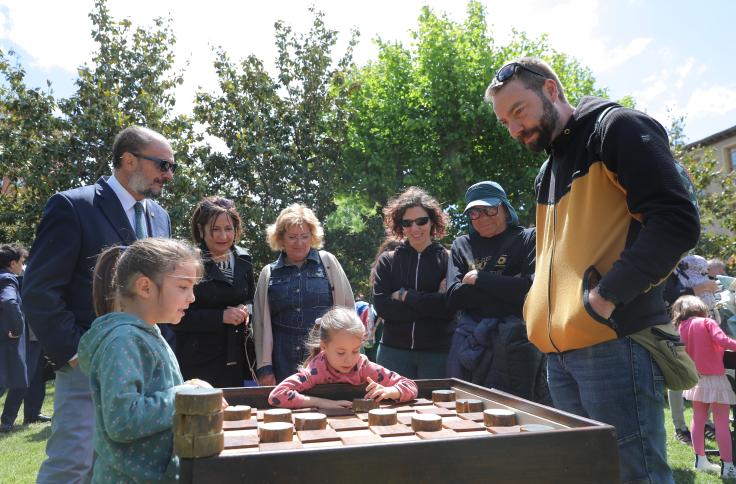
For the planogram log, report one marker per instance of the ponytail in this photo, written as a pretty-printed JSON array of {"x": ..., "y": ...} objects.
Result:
[{"x": 103, "y": 281}]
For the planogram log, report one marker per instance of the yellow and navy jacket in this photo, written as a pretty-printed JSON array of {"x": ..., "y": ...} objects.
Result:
[{"x": 612, "y": 211}]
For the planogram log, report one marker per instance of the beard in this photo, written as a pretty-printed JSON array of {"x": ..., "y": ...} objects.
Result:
[
  {"x": 141, "y": 185},
  {"x": 544, "y": 128}
]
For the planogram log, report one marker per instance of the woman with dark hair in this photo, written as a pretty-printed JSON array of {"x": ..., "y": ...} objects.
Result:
[
  {"x": 409, "y": 285},
  {"x": 214, "y": 341}
]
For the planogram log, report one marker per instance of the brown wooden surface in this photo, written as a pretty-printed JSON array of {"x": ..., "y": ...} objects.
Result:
[{"x": 580, "y": 451}]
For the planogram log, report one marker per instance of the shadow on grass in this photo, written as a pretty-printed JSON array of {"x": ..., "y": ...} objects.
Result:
[
  {"x": 40, "y": 435},
  {"x": 683, "y": 476}
]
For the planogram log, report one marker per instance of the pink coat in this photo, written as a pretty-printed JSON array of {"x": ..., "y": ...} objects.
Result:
[
  {"x": 288, "y": 393},
  {"x": 705, "y": 342}
]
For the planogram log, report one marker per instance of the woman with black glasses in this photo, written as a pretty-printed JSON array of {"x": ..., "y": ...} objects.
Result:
[
  {"x": 409, "y": 287},
  {"x": 490, "y": 272}
]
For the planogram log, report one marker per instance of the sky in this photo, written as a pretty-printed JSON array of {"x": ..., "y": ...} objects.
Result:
[{"x": 674, "y": 57}]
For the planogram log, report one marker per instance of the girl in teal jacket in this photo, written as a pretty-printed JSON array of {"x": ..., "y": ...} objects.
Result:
[{"x": 133, "y": 372}]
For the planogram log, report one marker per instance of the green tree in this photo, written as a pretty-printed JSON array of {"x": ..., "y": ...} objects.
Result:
[
  {"x": 31, "y": 152},
  {"x": 716, "y": 196},
  {"x": 284, "y": 134},
  {"x": 418, "y": 117},
  {"x": 130, "y": 81}
]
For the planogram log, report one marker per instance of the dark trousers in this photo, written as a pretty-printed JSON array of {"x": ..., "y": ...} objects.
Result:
[{"x": 33, "y": 396}]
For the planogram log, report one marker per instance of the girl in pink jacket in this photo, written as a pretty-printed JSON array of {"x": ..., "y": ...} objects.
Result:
[
  {"x": 335, "y": 357},
  {"x": 705, "y": 342}
]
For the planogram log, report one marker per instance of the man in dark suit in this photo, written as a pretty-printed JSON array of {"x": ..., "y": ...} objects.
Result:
[{"x": 57, "y": 289}]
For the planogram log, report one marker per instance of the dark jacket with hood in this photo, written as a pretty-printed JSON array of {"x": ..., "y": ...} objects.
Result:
[
  {"x": 611, "y": 210},
  {"x": 207, "y": 348},
  {"x": 422, "y": 321}
]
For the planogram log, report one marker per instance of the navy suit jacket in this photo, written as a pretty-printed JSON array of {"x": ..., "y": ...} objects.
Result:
[{"x": 75, "y": 227}]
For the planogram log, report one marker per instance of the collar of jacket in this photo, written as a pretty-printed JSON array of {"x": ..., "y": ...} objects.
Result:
[
  {"x": 585, "y": 112},
  {"x": 281, "y": 261},
  {"x": 434, "y": 246}
]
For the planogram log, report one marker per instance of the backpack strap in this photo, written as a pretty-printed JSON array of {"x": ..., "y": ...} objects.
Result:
[{"x": 598, "y": 128}]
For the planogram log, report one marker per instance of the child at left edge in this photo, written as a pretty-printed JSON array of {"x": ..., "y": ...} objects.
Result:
[{"x": 334, "y": 357}]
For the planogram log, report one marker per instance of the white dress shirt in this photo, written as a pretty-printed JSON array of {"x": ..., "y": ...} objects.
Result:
[{"x": 128, "y": 202}]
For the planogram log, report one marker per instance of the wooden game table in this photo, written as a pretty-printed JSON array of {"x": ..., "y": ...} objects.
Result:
[{"x": 571, "y": 450}]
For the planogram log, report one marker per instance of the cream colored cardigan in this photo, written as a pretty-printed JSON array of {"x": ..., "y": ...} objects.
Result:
[{"x": 342, "y": 295}]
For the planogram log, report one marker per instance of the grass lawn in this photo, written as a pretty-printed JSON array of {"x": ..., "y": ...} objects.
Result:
[{"x": 23, "y": 450}]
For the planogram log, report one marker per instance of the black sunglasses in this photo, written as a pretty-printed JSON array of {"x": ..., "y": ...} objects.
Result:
[
  {"x": 420, "y": 221},
  {"x": 509, "y": 70},
  {"x": 163, "y": 165},
  {"x": 475, "y": 212}
]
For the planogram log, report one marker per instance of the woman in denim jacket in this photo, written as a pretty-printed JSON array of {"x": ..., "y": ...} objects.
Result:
[{"x": 293, "y": 291}]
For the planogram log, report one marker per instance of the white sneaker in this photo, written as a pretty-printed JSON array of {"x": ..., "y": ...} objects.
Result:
[
  {"x": 729, "y": 471},
  {"x": 703, "y": 464}
]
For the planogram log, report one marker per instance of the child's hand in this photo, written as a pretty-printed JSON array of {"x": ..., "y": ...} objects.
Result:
[
  {"x": 201, "y": 383},
  {"x": 378, "y": 392}
]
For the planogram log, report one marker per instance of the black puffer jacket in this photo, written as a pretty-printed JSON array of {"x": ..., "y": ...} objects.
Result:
[{"x": 423, "y": 321}]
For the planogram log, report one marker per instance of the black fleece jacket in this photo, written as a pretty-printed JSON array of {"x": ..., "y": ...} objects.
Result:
[{"x": 422, "y": 321}]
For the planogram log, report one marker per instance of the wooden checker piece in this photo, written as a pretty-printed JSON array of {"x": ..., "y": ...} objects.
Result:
[
  {"x": 343, "y": 424},
  {"x": 270, "y": 432},
  {"x": 474, "y": 416},
  {"x": 498, "y": 417},
  {"x": 237, "y": 412},
  {"x": 442, "y": 412},
  {"x": 198, "y": 401},
  {"x": 426, "y": 422},
  {"x": 392, "y": 430},
  {"x": 310, "y": 421},
  {"x": 360, "y": 439},
  {"x": 236, "y": 440},
  {"x": 310, "y": 436},
  {"x": 443, "y": 396},
  {"x": 382, "y": 417},
  {"x": 279, "y": 446},
  {"x": 364, "y": 404},
  {"x": 249, "y": 424},
  {"x": 198, "y": 424},
  {"x": 468, "y": 405},
  {"x": 440, "y": 434},
  {"x": 461, "y": 425},
  {"x": 277, "y": 415},
  {"x": 447, "y": 405},
  {"x": 513, "y": 429}
]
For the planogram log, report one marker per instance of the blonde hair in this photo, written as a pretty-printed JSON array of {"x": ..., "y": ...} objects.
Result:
[
  {"x": 338, "y": 318},
  {"x": 118, "y": 267},
  {"x": 294, "y": 215},
  {"x": 687, "y": 307}
]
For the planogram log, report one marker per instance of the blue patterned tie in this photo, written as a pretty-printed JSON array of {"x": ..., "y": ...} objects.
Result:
[{"x": 140, "y": 222}]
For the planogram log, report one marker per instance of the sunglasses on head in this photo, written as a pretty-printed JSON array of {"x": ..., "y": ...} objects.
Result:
[
  {"x": 509, "y": 70},
  {"x": 475, "y": 212},
  {"x": 163, "y": 165},
  {"x": 420, "y": 221}
]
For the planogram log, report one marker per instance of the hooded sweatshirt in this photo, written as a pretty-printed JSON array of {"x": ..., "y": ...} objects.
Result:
[
  {"x": 133, "y": 377},
  {"x": 611, "y": 212}
]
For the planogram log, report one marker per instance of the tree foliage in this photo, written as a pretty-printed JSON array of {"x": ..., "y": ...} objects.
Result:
[{"x": 284, "y": 133}]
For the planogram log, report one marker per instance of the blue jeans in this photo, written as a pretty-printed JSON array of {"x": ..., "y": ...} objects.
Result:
[
  {"x": 412, "y": 364},
  {"x": 617, "y": 383}
]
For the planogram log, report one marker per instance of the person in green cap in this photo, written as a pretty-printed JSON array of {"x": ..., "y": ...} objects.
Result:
[{"x": 489, "y": 274}]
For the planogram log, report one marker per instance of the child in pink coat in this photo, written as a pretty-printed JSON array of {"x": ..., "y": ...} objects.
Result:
[
  {"x": 705, "y": 342},
  {"x": 335, "y": 358}
]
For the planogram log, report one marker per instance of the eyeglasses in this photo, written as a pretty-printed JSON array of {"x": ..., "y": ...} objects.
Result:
[
  {"x": 475, "y": 212},
  {"x": 163, "y": 165},
  {"x": 420, "y": 221},
  {"x": 509, "y": 70}
]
